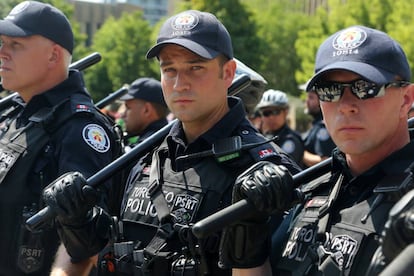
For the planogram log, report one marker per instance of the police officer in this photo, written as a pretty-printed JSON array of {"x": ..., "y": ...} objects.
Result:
[
  {"x": 274, "y": 110},
  {"x": 191, "y": 174},
  {"x": 361, "y": 78},
  {"x": 51, "y": 128},
  {"x": 145, "y": 110},
  {"x": 318, "y": 142}
]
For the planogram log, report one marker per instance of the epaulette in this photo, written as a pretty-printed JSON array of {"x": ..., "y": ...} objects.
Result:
[
  {"x": 81, "y": 103},
  {"x": 263, "y": 151}
]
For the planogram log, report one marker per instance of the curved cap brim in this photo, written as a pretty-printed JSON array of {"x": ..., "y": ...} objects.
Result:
[
  {"x": 198, "y": 49},
  {"x": 366, "y": 71}
]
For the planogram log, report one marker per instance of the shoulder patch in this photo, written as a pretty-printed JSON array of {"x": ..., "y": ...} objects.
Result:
[
  {"x": 96, "y": 137},
  {"x": 289, "y": 146},
  {"x": 266, "y": 152},
  {"x": 322, "y": 134},
  {"x": 82, "y": 108}
]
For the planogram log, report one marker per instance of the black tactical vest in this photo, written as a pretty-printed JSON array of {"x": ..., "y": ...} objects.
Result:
[
  {"x": 19, "y": 150},
  {"x": 341, "y": 243}
]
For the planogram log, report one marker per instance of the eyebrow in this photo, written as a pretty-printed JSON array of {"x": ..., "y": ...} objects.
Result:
[{"x": 192, "y": 61}]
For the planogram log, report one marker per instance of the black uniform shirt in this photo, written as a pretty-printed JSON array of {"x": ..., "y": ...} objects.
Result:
[
  {"x": 290, "y": 141},
  {"x": 148, "y": 131},
  {"x": 355, "y": 220},
  {"x": 233, "y": 123},
  {"x": 81, "y": 143},
  {"x": 318, "y": 141}
]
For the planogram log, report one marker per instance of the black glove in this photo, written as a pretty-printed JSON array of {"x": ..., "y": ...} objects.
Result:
[
  {"x": 269, "y": 188},
  {"x": 71, "y": 199},
  {"x": 399, "y": 229}
]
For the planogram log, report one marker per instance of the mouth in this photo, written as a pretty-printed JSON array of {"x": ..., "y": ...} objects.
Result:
[{"x": 181, "y": 101}]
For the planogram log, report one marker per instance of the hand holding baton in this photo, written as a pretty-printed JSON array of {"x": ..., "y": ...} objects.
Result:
[
  {"x": 40, "y": 218},
  {"x": 242, "y": 208}
]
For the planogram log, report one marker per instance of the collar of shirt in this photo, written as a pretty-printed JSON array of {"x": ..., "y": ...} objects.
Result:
[
  {"x": 224, "y": 128},
  {"x": 53, "y": 96},
  {"x": 361, "y": 186}
]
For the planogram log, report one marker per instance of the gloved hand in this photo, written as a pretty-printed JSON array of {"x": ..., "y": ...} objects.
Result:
[
  {"x": 399, "y": 229},
  {"x": 269, "y": 188},
  {"x": 70, "y": 198}
]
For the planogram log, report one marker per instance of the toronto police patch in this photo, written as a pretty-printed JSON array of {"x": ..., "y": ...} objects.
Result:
[
  {"x": 96, "y": 137},
  {"x": 323, "y": 134},
  {"x": 349, "y": 39},
  {"x": 184, "y": 22}
]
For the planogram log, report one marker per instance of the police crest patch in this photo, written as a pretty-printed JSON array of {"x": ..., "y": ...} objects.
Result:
[
  {"x": 323, "y": 134},
  {"x": 30, "y": 259},
  {"x": 343, "y": 249},
  {"x": 96, "y": 137},
  {"x": 349, "y": 39}
]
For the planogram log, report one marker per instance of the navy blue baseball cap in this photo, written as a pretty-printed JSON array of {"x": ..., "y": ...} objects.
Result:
[
  {"x": 147, "y": 89},
  {"x": 370, "y": 53},
  {"x": 199, "y": 32},
  {"x": 36, "y": 18}
]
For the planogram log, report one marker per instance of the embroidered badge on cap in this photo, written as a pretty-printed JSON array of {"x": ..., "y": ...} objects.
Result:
[
  {"x": 349, "y": 39},
  {"x": 96, "y": 137},
  {"x": 184, "y": 22}
]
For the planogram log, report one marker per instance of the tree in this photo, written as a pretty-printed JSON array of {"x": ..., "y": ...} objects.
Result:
[
  {"x": 390, "y": 16},
  {"x": 241, "y": 25},
  {"x": 279, "y": 23},
  {"x": 123, "y": 44},
  {"x": 400, "y": 25}
]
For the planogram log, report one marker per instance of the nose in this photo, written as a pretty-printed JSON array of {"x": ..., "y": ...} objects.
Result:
[
  {"x": 3, "y": 52},
  {"x": 348, "y": 101},
  {"x": 181, "y": 82}
]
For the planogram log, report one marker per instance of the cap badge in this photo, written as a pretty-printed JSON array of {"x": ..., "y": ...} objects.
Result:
[
  {"x": 183, "y": 23},
  {"x": 349, "y": 39}
]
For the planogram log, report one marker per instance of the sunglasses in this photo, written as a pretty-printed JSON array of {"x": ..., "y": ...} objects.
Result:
[
  {"x": 267, "y": 113},
  {"x": 332, "y": 91}
]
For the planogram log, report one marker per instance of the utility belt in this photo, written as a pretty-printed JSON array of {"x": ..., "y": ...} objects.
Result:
[
  {"x": 132, "y": 258},
  {"x": 125, "y": 259}
]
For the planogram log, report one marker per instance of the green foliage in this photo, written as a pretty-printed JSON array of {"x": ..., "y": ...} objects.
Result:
[
  {"x": 279, "y": 24},
  {"x": 239, "y": 21},
  {"x": 274, "y": 37},
  {"x": 123, "y": 44}
]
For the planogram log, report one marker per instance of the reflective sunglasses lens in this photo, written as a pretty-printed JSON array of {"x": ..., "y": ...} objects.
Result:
[
  {"x": 366, "y": 90},
  {"x": 329, "y": 91},
  {"x": 362, "y": 89}
]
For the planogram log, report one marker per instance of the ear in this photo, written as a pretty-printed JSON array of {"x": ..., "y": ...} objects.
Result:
[
  {"x": 229, "y": 70},
  {"x": 55, "y": 56},
  {"x": 146, "y": 109},
  {"x": 408, "y": 98}
]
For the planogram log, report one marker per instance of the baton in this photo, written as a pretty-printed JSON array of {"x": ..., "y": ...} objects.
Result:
[
  {"x": 112, "y": 97},
  {"x": 242, "y": 208},
  {"x": 80, "y": 65},
  {"x": 40, "y": 218}
]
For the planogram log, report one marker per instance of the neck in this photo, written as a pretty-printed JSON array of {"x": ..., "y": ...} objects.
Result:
[{"x": 359, "y": 163}]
